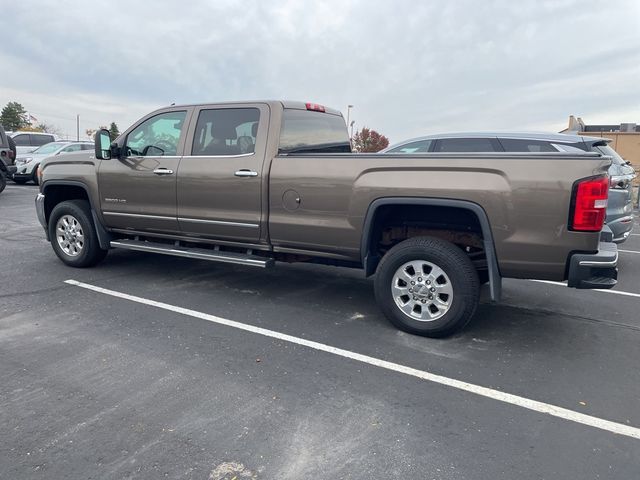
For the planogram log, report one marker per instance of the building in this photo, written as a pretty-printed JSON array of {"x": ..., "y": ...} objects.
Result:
[{"x": 625, "y": 137}]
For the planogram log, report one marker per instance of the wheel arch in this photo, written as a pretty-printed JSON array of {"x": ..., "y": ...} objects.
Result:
[
  {"x": 370, "y": 258},
  {"x": 56, "y": 191}
]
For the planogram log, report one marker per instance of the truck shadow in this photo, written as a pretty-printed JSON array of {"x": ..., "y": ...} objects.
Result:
[{"x": 331, "y": 295}]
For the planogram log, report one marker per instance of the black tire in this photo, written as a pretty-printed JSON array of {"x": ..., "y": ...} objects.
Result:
[
  {"x": 20, "y": 181},
  {"x": 462, "y": 280},
  {"x": 90, "y": 253},
  {"x": 12, "y": 147},
  {"x": 34, "y": 175},
  {"x": 3, "y": 181}
]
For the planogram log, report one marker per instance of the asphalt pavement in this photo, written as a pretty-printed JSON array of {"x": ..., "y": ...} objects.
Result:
[{"x": 98, "y": 385}]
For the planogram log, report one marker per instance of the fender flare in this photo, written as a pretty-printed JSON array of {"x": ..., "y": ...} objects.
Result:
[
  {"x": 370, "y": 262},
  {"x": 104, "y": 237}
]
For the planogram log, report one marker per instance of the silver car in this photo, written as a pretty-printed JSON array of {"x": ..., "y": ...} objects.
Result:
[
  {"x": 621, "y": 174},
  {"x": 27, "y": 164}
]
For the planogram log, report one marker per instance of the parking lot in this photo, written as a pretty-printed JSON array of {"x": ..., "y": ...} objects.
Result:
[{"x": 151, "y": 367}]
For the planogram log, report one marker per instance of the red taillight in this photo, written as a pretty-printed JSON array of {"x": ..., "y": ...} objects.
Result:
[
  {"x": 590, "y": 204},
  {"x": 315, "y": 107}
]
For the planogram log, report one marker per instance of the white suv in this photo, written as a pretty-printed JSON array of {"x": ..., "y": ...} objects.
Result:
[{"x": 28, "y": 141}]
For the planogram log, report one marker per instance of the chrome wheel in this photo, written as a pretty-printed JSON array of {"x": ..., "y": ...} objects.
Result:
[
  {"x": 422, "y": 290},
  {"x": 69, "y": 235}
]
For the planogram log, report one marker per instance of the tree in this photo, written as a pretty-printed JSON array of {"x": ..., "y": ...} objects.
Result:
[
  {"x": 113, "y": 131},
  {"x": 369, "y": 141},
  {"x": 48, "y": 128},
  {"x": 13, "y": 116},
  {"x": 91, "y": 132}
]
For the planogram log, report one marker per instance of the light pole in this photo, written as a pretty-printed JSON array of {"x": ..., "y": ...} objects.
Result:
[
  {"x": 351, "y": 125},
  {"x": 349, "y": 107}
]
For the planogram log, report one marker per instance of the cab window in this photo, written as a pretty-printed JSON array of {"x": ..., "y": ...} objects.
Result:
[
  {"x": 226, "y": 131},
  {"x": 157, "y": 136}
]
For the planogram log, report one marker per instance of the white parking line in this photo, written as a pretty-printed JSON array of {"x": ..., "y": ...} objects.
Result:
[
  {"x": 628, "y": 251},
  {"x": 541, "y": 407},
  {"x": 615, "y": 292}
]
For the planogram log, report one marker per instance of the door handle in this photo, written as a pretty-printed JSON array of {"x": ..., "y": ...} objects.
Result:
[
  {"x": 163, "y": 171},
  {"x": 246, "y": 173}
]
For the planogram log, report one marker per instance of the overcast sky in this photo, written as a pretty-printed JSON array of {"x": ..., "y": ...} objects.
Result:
[{"x": 409, "y": 68}]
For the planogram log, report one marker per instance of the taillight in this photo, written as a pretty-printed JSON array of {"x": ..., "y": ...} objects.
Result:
[
  {"x": 590, "y": 204},
  {"x": 315, "y": 107}
]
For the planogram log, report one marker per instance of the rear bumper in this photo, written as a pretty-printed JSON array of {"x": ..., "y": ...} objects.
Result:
[{"x": 595, "y": 270}]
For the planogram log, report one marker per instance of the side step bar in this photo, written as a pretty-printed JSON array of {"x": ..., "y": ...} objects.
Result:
[{"x": 198, "y": 253}]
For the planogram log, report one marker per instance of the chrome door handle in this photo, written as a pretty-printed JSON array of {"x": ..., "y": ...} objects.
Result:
[
  {"x": 246, "y": 173},
  {"x": 163, "y": 171}
]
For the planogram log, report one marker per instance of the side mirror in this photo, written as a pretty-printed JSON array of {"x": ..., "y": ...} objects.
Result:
[{"x": 103, "y": 145}]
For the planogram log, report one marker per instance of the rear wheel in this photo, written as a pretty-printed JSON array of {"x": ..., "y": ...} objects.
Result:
[
  {"x": 73, "y": 234},
  {"x": 427, "y": 286}
]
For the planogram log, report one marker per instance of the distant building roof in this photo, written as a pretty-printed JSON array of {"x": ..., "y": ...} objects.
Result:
[
  {"x": 577, "y": 125},
  {"x": 612, "y": 128}
]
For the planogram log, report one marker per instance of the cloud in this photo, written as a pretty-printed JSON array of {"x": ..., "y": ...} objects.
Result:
[{"x": 409, "y": 68}]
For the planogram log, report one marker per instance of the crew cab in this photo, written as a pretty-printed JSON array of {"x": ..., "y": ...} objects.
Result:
[{"x": 255, "y": 183}]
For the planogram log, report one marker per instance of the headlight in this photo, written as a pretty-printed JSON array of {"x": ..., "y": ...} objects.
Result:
[{"x": 24, "y": 160}]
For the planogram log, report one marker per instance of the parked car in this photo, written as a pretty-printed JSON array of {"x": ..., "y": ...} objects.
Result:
[
  {"x": 7, "y": 158},
  {"x": 27, "y": 165},
  {"x": 28, "y": 141},
  {"x": 253, "y": 183},
  {"x": 621, "y": 174}
]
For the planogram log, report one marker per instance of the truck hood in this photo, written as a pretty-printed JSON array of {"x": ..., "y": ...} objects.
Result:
[{"x": 82, "y": 156}]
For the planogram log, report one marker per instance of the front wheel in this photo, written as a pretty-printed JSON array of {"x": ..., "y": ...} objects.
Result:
[
  {"x": 427, "y": 286},
  {"x": 73, "y": 234},
  {"x": 3, "y": 181}
]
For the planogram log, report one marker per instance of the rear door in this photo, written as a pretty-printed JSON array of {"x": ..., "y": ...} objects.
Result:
[
  {"x": 138, "y": 190},
  {"x": 219, "y": 188}
]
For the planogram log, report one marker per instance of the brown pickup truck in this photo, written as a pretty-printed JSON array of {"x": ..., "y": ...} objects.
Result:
[{"x": 253, "y": 183}]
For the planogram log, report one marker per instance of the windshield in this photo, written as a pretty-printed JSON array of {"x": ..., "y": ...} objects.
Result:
[{"x": 49, "y": 148}]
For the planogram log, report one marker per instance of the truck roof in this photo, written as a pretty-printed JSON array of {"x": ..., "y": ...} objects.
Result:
[{"x": 293, "y": 104}]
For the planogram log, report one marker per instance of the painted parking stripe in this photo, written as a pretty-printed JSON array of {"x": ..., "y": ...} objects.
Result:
[
  {"x": 628, "y": 251},
  {"x": 541, "y": 407},
  {"x": 615, "y": 292}
]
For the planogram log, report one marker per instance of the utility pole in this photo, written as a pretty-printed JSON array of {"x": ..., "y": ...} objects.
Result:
[
  {"x": 78, "y": 127},
  {"x": 349, "y": 107}
]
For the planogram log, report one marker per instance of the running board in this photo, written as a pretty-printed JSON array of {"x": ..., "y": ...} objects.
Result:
[{"x": 198, "y": 253}]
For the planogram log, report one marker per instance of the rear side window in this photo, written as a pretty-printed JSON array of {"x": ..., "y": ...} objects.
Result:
[
  {"x": 467, "y": 145},
  {"x": 85, "y": 146},
  {"x": 22, "y": 140},
  {"x": 41, "y": 139},
  {"x": 226, "y": 131},
  {"x": 523, "y": 145},
  {"x": 306, "y": 131},
  {"x": 421, "y": 146},
  {"x": 607, "y": 150}
]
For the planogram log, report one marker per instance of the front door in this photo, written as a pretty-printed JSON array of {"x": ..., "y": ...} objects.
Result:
[
  {"x": 138, "y": 190},
  {"x": 220, "y": 176}
]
